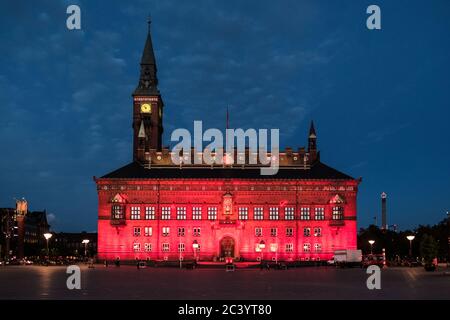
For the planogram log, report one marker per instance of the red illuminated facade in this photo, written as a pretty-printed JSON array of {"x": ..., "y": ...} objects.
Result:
[{"x": 153, "y": 209}]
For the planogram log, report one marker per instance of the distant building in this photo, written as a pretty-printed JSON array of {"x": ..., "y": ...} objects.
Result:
[
  {"x": 22, "y": 233},
  {"x": 71, "y": 244},
  {"x": 36, "y": 225}
]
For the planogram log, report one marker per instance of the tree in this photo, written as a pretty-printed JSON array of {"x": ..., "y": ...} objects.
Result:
[{"x": 428, "y": 249}]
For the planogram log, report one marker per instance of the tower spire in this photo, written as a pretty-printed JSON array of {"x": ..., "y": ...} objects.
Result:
[
  {"x": 312, "y": 130},
  {"x": 312, "y": 143},
  {"x": 149, "y": 21},
  {"x": 148, "y": 81}
]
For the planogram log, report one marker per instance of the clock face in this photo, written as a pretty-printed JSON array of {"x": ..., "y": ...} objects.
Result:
[{"x": 146, "y": 108}]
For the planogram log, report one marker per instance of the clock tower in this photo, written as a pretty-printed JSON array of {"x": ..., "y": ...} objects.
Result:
[{"x": 147, "y": 107}]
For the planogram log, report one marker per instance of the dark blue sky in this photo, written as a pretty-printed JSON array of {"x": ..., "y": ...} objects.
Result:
[{"x": 380, "y": 99}]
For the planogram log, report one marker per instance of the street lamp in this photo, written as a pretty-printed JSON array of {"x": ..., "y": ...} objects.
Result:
[
  {"x": 179, "y": 249},
  {"x": 262, "y": 245},
  {"x": 371, "y": 245},
  {"x": 410, "y": 238},
  {"x": 47, "y": 237},
  {"x": 85, "y": 242},
  {"x": 195, "y": 247},
  {"x": 275, "y": 248}
]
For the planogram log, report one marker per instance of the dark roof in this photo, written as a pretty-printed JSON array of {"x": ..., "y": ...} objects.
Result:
[
  {"x": 37, "y": 217},
  {"x": 148, "y": 81},
  {"x": 148, "y": 55},
  {"x": 136, "y": 171}
]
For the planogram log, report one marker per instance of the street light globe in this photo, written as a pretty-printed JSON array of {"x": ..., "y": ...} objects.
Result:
[
  {"x": 195, "y": 244},
  {"x": 47, "y": 235},
  {"x": 371, "y": 241},
  {"x": 85, "y": 241},
  {"x": 410, "y": 238}
]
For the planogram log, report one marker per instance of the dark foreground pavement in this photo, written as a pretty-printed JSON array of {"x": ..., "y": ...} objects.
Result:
[{"x": 126, "y": 282}]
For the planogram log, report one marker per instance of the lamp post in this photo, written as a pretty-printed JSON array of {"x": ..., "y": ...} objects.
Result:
[
  {"x": 47, "y": 237},
  {"x": 371, "y": 245},
  {"x": 195, "y": 247},
  {"x": 276, "y": 253},
  {"x": 85, "y": 242},
  {"x": 410, "y": 238},
  {"x": 448, "y": 237},
  {"x": 179, "y": 249},
  {"x": 262, "y": 245}
]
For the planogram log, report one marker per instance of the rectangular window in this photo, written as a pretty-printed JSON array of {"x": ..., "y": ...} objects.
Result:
[
  {"x": 258, "y": 232},
  {"x": 304, "y": 213},
  {"x": 150, "y": 213},
  {"x": 180, "y": 232},
  {"x": 148, "y": 231},
  {"x": 197, "y": 213},
  {"x": 148, "y": 247},
  {"x": 289, "y": 213},
  {"x": 136, "y": 247},
  {"x": 319, "y": 213},
  {"x": 165, "y": 231},
  {"x": 317, "y": 247},
  {"x": 212, "y": 213},
  {"x": 196, "y": 232},
  {"x": 243, "y": 213},
  {"x": 338, "y": 213},
  {"x": 317, "y": 232},
  {"x": 258, "y": 213},
  {"x": 181, "y": 247},
  {"x": 117, "y": 212},
  {"x": 135, "y": 213},
  {"x": 307, "y": 247},
  {"x": 307, "y": 232},
  {"x": 165, "y": 247},
  {"x": 289, "y": 232},
  {"x": 273, "y": 213},
  {"x": 165, "y": 213},
  {"x": 136, "y": 231},
  {"x": 289, "y": 247},
  {"x": 181, "y": 213},
  {"x": 273, "y": 232}
]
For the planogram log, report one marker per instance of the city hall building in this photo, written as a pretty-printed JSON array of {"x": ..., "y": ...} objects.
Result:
[{"x": 152, "y": 209}]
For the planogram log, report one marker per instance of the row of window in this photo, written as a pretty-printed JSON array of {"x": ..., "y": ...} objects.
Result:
[
  {"x": 289, "y": 232},
  {"x": 181, "y": 232},
  {"x": 165, "y": 247},
  {"x": 118, "y": 212},
  {"x": 289, "y": 247}
]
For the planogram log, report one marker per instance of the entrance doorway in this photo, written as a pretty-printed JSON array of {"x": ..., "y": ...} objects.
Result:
[{"x": 227, "y": 247}]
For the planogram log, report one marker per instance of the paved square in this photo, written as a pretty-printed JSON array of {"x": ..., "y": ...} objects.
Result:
[{"x": 126, "y": 282}]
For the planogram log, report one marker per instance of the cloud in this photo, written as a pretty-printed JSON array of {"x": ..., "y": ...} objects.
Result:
[
  {"x": 51, "y": 217},
  {"x": 382, "y": 133}
]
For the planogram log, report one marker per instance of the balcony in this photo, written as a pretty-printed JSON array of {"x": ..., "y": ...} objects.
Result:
[
  {"x": 118, "y": 222},
  {"x": 227, "y": 221},
  {"x": 337, "y": 223}
]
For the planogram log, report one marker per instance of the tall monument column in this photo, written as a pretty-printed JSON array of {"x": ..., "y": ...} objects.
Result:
[{"x": 384, "y": 225}]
